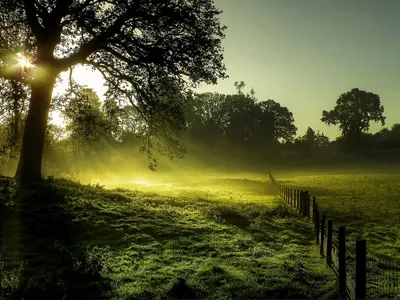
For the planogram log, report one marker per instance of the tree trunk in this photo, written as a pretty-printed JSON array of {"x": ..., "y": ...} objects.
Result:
[{"x": 30, "y": 160}]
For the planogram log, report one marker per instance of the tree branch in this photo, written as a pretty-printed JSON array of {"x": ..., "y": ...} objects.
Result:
[
  {"x": 96, "y": 43},
  {"x": 30, "y": 11}
]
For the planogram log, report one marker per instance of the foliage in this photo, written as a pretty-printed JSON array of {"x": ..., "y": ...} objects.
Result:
[
  {"x": 142, "y": 49},
  {"x": 354, "y": 111},
  {"x": 312, "y": 141},
  {"x": 239, "y": 119}
]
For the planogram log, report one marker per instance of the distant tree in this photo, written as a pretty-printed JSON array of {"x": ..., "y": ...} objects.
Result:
[
  {"x": 136, "y": 45},
  {"x": 13, "y": 104},
  {"x": 275, "y": 122},
  {"x": 253, "y": 94},
  {"x": 207, "y": 116},
  {"x": 353, "y": 113},
  {"x": 395, "y": 131},
  {"x": 310, "y": 137},
  {"x": 388, "y": 138},
  {"x": 241, "y": 113},
  {"x": 239, "y": 87},
  {"x": 321, "y": 140}
]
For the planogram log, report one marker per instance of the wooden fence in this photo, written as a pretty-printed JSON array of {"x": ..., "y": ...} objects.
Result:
[{"x": 332, "y": 243}]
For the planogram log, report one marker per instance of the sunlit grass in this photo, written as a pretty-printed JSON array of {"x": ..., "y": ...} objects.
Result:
[
  {"x": 225, "y": 237},
  {"x": 368, "y": 204}
]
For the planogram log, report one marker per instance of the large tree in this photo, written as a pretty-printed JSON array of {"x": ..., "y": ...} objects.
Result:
[
  {"x": 137, "y": 45},
  {"x": 276, "y": 122},
  {"x": 353, "y": 113}
]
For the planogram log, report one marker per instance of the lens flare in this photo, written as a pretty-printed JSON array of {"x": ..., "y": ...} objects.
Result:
[{"x": 24, "y": 62}]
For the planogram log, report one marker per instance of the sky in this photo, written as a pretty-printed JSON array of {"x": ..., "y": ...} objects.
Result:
[{"x": 305, "y": 53}]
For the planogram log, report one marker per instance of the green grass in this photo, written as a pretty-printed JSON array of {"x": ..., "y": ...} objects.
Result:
[
  {"x": 209, "y": 239},
  {"x": 367, "y": 204}
]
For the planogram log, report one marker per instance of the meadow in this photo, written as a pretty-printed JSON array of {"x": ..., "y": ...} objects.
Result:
[
  {"x": 366, "y": 201},
  {"x": 211, "y": 237}
]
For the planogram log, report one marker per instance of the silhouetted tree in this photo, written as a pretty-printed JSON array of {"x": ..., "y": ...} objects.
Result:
[
  {"x": 239, "y": 87},
  {"x": 321, "y": 140},
  {"x": 276, "y": 122},
  {"x": 253, "y": 94},
  {"x": 136, "y": 45},
  {"x": 207, "y": 116},
  {"x": 353, "y": 113}
]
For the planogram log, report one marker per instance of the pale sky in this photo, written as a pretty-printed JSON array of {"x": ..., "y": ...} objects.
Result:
[{"x": 305, "y": 53}]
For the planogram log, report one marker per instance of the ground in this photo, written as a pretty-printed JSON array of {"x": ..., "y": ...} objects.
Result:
[
  {"x": 208, "y": 238},
  {"x": 368, "y": 204}
]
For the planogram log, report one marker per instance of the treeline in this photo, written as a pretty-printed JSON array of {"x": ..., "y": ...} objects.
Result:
[{"x": 235, "y": 126}]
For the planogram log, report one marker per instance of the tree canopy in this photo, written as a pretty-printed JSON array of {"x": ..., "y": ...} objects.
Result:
[
  {"x": 354, "y": 111},
  {"x": 142, "y": 48}
]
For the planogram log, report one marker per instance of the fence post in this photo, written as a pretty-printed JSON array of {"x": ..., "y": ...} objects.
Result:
[
  {"x": 286, "y": 195},
  {"x": 305, "y": 197},
  {"x": 291, "y": 197},
  {"x": 308, "y": 198},
  {"x": 301, "y": 202},
  {"x": 322, "y": 235},
  {"x": 342, "y": 262},
  {"x": 329, "y": 243},
  {"x": 316, "y": 222},
  {"x": 314, "y": 206},
  {"x": 361, "y": 269}
]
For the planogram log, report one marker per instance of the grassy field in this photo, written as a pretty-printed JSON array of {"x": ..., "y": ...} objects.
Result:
[
  {"x": 368, "y": 204},
  {"x": 214, "y": 238}
]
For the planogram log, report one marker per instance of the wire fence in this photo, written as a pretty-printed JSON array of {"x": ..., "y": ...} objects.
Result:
[{"x": 361, "y": 275}]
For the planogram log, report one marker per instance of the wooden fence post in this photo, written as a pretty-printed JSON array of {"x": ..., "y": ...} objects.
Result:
[
  {"x": 361, "y": 269},
  {"x": 308, "y": 198},
  {"x": 306, "y": 204},
  {"x": 342, "y": 262},
  {"x": 322, "y": 235},
  {"x": 291, "y": 197},
  {"x": 294, "y": 198},
  {"x": 314, "y": 206},
  {"x": 305, "y": 199},
  {"x": 316, "y": 222},
  {"x": 329, "y": 243},
  {"x": 298, "y": 199},
  {"x": 286, "y": 194},
  {"x": 301, "y": 202}
]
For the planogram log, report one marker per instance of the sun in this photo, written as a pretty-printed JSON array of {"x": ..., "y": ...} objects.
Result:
[{"x": 24, "y": 61}]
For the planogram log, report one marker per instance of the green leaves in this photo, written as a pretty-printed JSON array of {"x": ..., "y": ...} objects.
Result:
[{"x": 354, "y": 111}]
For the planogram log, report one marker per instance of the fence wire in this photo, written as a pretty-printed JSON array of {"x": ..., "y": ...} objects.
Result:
[{"x": 383, "y": 277}]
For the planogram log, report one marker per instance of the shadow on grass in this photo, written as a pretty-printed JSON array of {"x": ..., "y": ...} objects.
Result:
[
  {"x": 52, "y": 264},
  {"x": 52, "y": 225}
]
